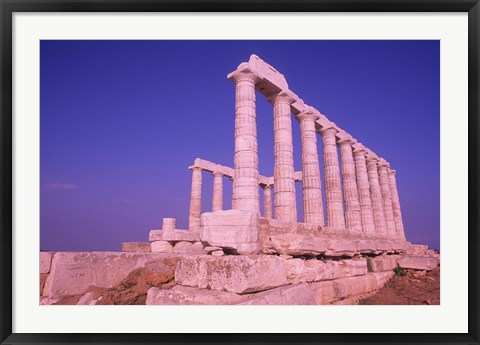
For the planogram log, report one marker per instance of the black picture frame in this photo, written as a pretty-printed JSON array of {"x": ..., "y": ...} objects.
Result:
[{"x": 8, "y": 7}]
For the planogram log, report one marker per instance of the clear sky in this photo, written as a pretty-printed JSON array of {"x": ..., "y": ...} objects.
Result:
[{"x": 121, "y": 121}]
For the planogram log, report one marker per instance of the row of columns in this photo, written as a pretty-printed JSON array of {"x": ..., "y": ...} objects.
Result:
[
  {"x": 196, "y": 196},
  {"x": 369, "y": 192},
  {"x": 217, "y": 197}
]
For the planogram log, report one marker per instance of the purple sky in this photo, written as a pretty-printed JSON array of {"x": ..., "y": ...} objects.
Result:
[{"x": 121, "y": 121}]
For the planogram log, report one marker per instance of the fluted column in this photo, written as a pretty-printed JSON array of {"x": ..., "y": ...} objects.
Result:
[
  {"x": 333, "y": 188},
  {"x": 195, "y": 199},
  {"x": 267, "y": 201},
  {"x": 311, "y": 183},
  {"x": 377, "y": 199},
  {"x": 397, "y": 212},
  {"x": 353, "y": 217},
  {"x": 368, "y": 223},
  {"x": 284, "y": 182},
  {"x": 387, "y": 198},
  {"x": 245, "y": 194},
  {"x": 217, "y": 198}
]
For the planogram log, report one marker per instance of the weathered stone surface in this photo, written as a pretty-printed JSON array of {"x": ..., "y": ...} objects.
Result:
[
  {"x": 181, "y": 295},
  {"x": 382, "y": 263},
  {"x": 45, "y": 261},
  {"x": 155, "y": 235},
  {"x": 161, "y": 247},
  {"x": 233, "y": 229},
  {"x": 72, "y": 273},
  {"x": 239, "y": 274},
  {"x": 299, "y": 294},
  {"x": 218, "y": 253},
  {"x": 299, "y": 271},
  {"x": 327, "y": 292},
  {"x": 188, "y": 248},
  {"x": 136, "y": 247},
  {"x": 416, "y": 249},
  {"x": 293, "y": 244},
  {"x": 181, "y": 236},
  {"x": 417, "y": 262},
  {"x": 341, "y": 247},
  {"x": 366, "y": 246}
]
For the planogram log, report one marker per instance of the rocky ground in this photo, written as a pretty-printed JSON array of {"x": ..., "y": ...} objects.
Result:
[
  {"x": 406, "y": 287},
  {"x": 409, "y": 287}
]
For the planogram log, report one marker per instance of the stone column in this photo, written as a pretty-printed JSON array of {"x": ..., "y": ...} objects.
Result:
[
  {"x": 387, "y": 198},
  {"x": 195, "y": 199},
  {"x": 283, "y": 179},
  {"x": 377, "y": 199},
  {"x": 333, "y": 188},
  {"x": 217, "y": 198},
  {"x": 353, "y": 217},
  {"x": 397, "y": 212},
  {"x": 245, "y": 194},
  {"x": 311, "y": 183},
  {"x": 267, "y": 201},
  {"x": 368, "y": 223}
]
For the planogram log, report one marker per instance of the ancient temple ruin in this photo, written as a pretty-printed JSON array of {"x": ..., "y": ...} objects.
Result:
[
  {"x": 343, "y": 250},
  {"x": 362, "y": 205}
]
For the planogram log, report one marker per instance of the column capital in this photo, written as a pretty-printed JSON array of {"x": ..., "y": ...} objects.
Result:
[
  {"x": 195, "y": 167},
  {"x": 392, "y": 172},
  {"x": 267, "y": 186},
  {"x": 217, "y": 173},
  {"x": 283, "y": 97},
  {"x": 347, "y": 141},
  {"x": 308, "y": 115},
  {"x": 244, "y": 73},
  {"x": 371, "y": 156},
  {"x": 359, "y": 149},
  {"x": 383, "y": 164},
  {"x": 345, "y": 138},
  {"x": 329, "y": 129}
]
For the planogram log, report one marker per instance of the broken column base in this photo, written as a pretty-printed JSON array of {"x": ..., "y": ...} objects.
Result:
[{"x": 233, "y": 230}]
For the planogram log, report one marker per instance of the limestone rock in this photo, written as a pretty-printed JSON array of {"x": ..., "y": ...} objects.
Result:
[
  {"x": 292, "y": 244},
  {"x": 161, "y": 247},
  {"x": 382, "y": 263},
  {"x": 328, "y": 292},
  {"x": 417, "y": 262},
  {"x": 232, "y": 229},
  {"x": 180, "y": 295},
  {"x": 218, "y": 253},
  {"x": 188, "y": 248},
  {"x": 45, "y": 261},
  {"x": 155, "y": 235},
  {"x": 341, "y": 247},
  {"x": 299, "y": 294},
  {"x": 299, "y": 271},
  {"x": 239, "y": 274},
  {"x": 136, "y": 247},
  {"x": 181, "y": 235},
  {"x": 417, "y": 249},
  {"x": 72, "y": 273}
]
